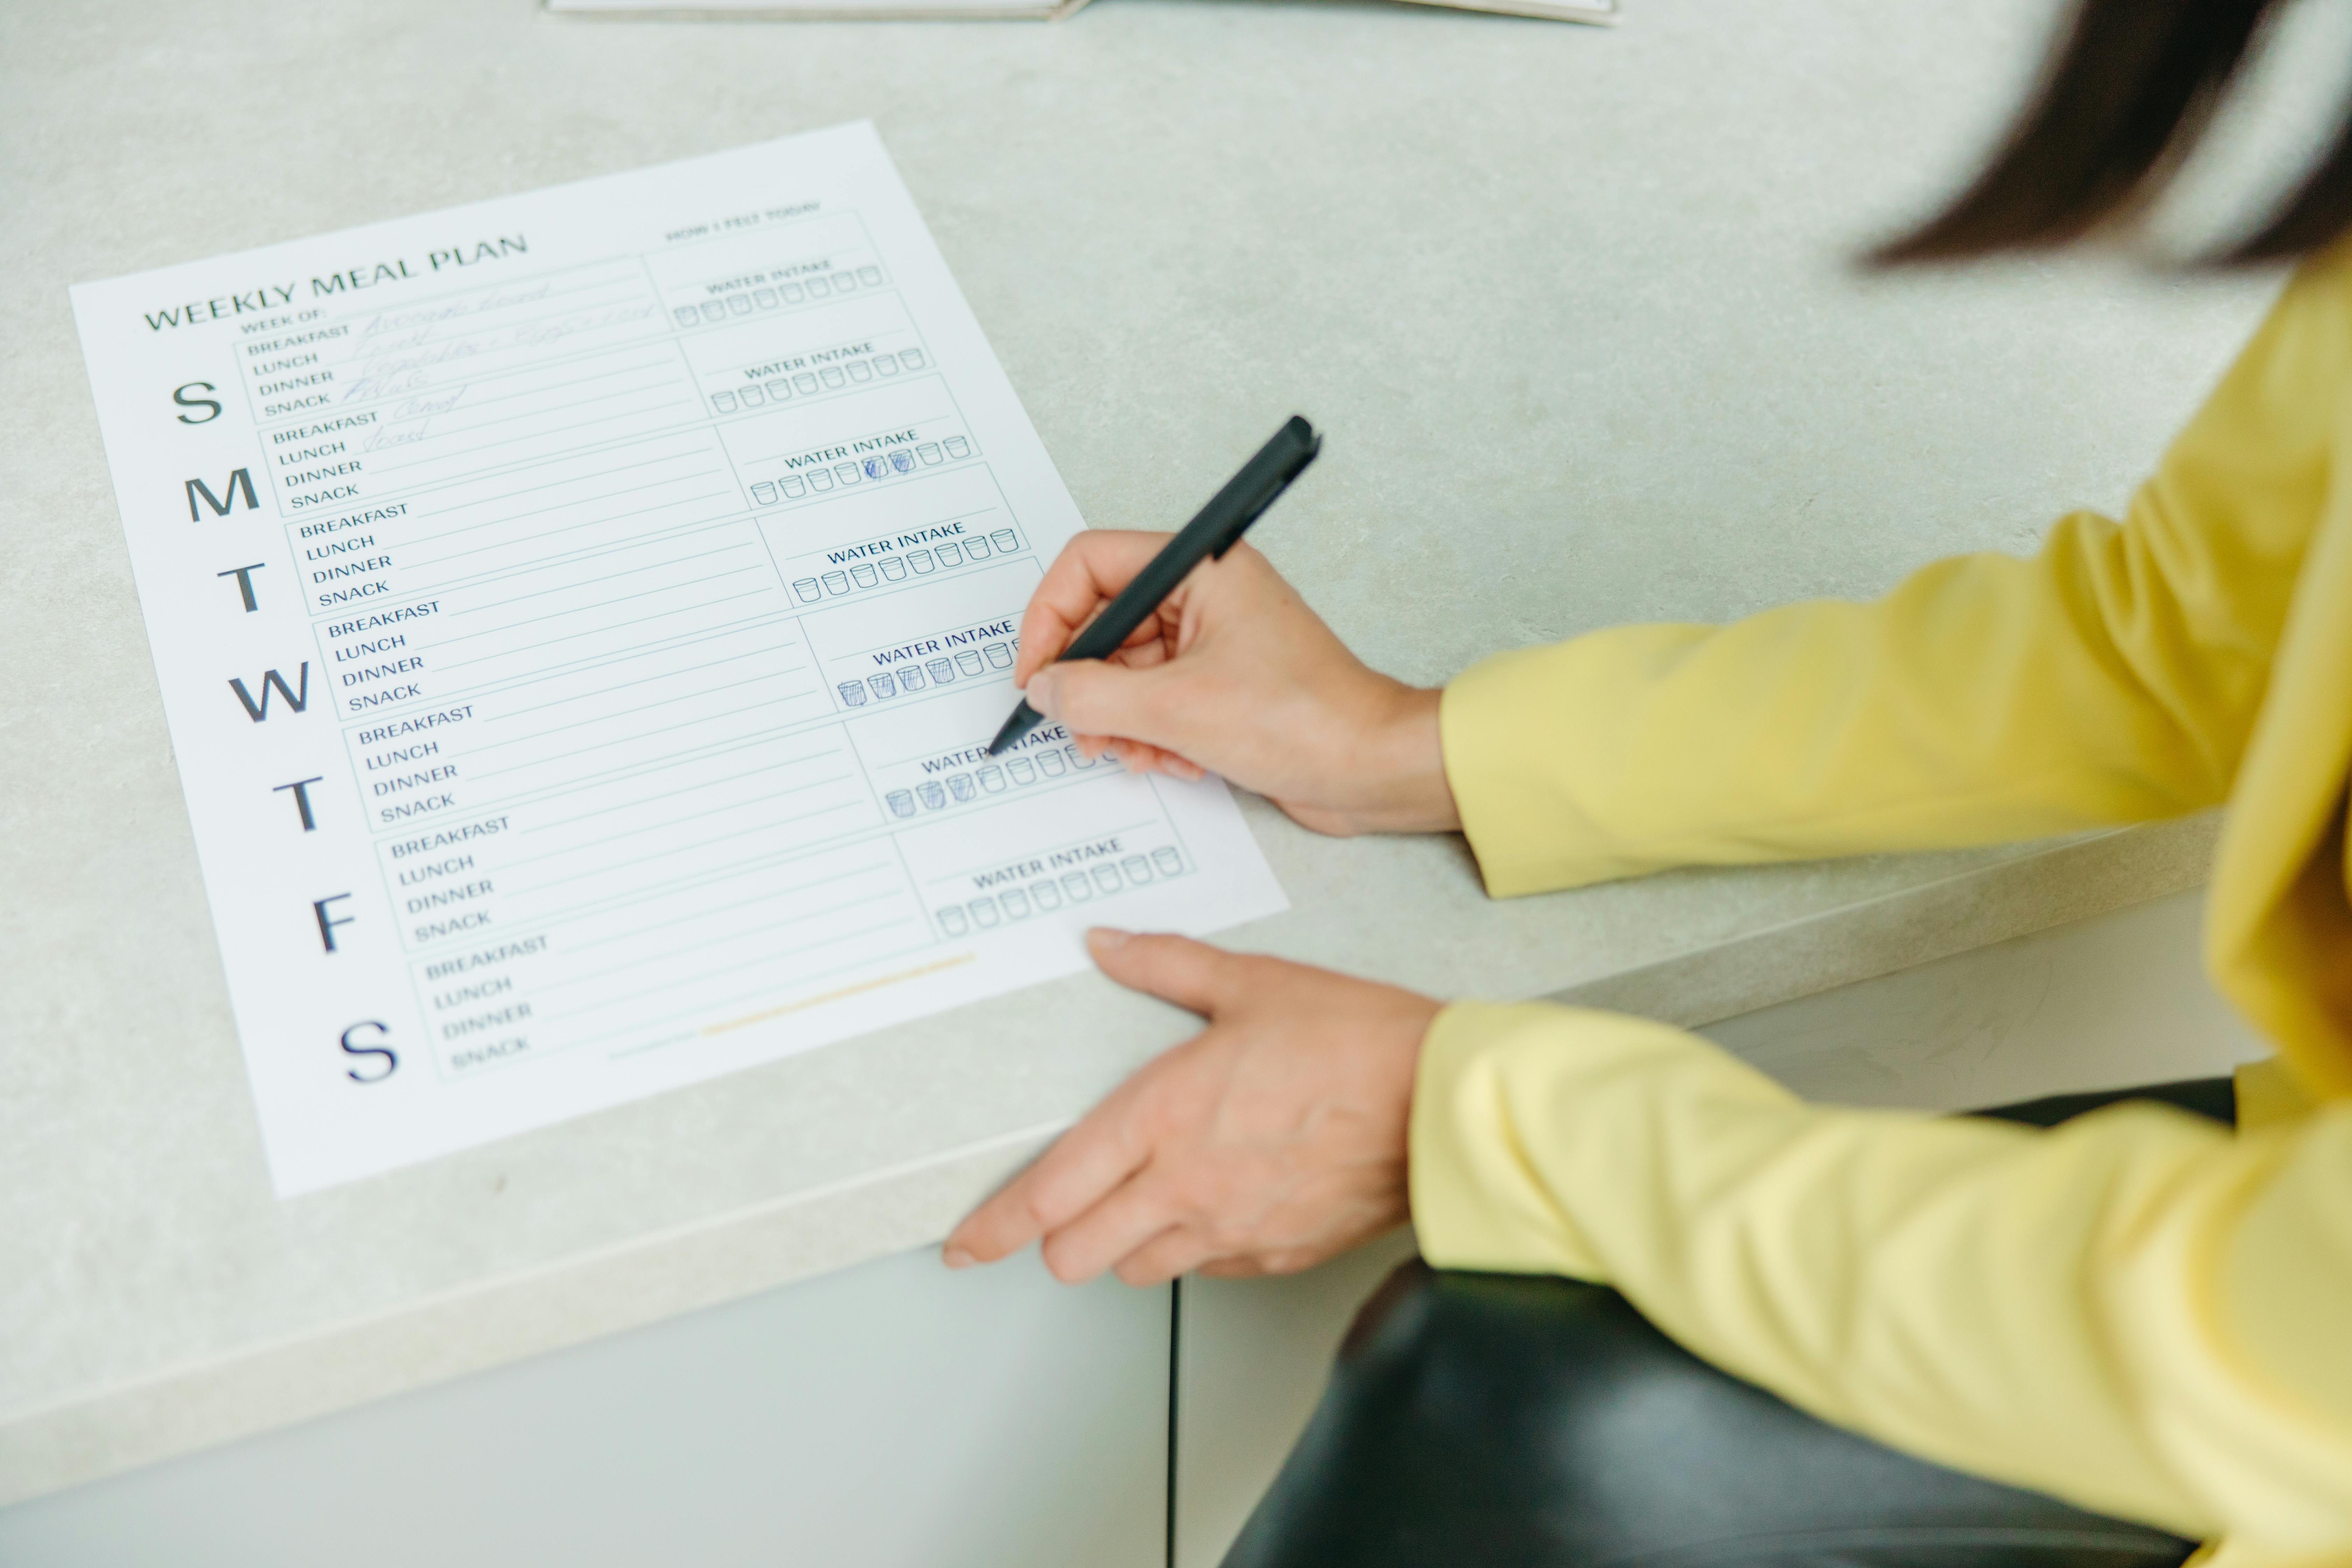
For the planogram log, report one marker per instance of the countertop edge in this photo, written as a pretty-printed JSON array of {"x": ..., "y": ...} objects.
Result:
[{"x": 49, "y": 1449}]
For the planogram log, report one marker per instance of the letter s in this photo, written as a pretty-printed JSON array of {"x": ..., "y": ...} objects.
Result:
[
  {"x": 390, "y": 1060},
  {"x": 180, "y": 395}
]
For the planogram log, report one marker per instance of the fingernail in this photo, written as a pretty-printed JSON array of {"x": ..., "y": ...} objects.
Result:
[
  {"x": 1107, "y": 936},
  {"x": 957, "y": 1258},
  {"x": 1041, "y": 691}
]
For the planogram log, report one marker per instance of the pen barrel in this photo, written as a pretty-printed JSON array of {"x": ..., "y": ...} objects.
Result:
[{"x": 1215, "y": 530}]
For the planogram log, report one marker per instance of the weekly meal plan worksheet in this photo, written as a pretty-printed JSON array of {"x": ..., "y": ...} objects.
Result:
[{"x": 580, "y": 618}]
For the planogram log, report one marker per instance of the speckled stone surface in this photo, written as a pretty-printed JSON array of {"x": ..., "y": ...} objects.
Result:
[{"x": 1574, "y": 305}]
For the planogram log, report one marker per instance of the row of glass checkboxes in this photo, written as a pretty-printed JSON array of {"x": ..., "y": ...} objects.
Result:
[
  {"x": 823, "y": 285},
  {"x": 992, "y": 778},
  {"x": 880, "y": 465},
  {"x": 933, "y": 672},
  {"x": 807, "y": 383},
  {"x": 897, "y": 568},
  {"x": 1052, "y": 893}
]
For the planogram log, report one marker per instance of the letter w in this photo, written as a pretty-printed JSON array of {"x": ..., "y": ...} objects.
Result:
[
  {"x": 260, "y": 710},
  {"x": 236, "y": 484}
]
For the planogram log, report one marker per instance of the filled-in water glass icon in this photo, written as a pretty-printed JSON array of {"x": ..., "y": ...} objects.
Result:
[
  {"x": 1005, "y": 540},
  {"x": 894, "y": 569},
  {"x": 795, "y": 487},
  {"x": 976, "y": 547},
  {"x": 1137, "y": 869},
  {"x": 882, "y": 685},
  {"x": 949, "y": 555},
  {"x": 959, "y": 785},
  {"x": 864, "y": 575},
  {"x": 951, "y": 920},
  {"x": 1021, "y": 769},
  {"x": 968, "y": 660},
  {"x": 983, "y": 911},
  {"x": 991, "y": 779},
  {"x": 1050, "y": 763},
  {"x": 1075, "y": 885},
  {"x": 877, "y": 468},
  {"x": 1166, "y": 861},
  {"x": 902, "y": 461},
  {"x": 853, "y": 693},
  {"x": 837, "y": 581},
  {"x": 910, "y": 678},
  {"x": 751, "y": 396},
  {"x": 943, "y": 671},
  {"x": 1106, "y": 878},
  {"x": 932, "y": 793},
  {"x": 1000, "y": 654},
  {"x": 929, "y": 451},
  {"x": 1015, "y": 902},
  {"x": 806, "y": 590},
  {"x": 724, "y": 401},
  {"x": 956, "y": 447},
  {"x": 902, "y": 802},
  {"x": 1044, "y": 895},
  {"x": 920, "y": 559},
  {"x": 765, "y": 492}
]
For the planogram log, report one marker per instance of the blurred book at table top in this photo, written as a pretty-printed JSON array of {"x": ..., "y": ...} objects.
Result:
[{"x": 1603, "y": 11}]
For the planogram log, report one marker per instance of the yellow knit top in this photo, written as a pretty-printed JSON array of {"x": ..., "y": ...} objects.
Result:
[{"x": 2139, "y": 1311}]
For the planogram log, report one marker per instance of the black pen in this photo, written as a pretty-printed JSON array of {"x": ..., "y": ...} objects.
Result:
[{"x": 1215, "y": 530}]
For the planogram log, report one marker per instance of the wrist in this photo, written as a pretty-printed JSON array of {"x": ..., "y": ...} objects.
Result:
[{"x": 1404, "y": 764}]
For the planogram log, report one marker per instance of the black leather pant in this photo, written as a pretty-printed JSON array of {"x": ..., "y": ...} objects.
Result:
[{"x": 1509, "y": 1421}]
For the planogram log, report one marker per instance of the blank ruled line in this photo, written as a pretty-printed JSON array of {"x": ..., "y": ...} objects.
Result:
[
  {"x": 574, "y": 527},
  {"x": 714, "y": 632},
  {"x": 500, "y": 604},
  {"x": 700, "y": 814},
  {"x": 617, "y": 625},
  {"x": 704, "y": 1005},
  {"x": 478, "y": 749},
  {"x": 766, "y": 897},
  {"x": 579, "y": 609},
  {"x": 732, "y": 835},
  {"x": 553, "y": 460},
  {"x": 704, "y": 976}
]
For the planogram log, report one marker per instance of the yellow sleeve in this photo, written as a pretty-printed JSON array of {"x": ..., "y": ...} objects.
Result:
[
  {"x": 2136, "y": 1313},
  {"x": 2113, "y": 678}
]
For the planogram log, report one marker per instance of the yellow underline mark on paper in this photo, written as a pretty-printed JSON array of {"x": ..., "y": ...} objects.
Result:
[{"x": 819, "y": 1001}]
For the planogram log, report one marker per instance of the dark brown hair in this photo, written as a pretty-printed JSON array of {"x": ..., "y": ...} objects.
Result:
[{"x": 2130, "y": 88}]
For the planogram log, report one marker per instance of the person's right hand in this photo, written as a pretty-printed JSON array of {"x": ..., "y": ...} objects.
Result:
[{"x": 1237, "y": 675}]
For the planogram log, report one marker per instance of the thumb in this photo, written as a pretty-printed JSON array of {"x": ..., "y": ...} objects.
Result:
[
  {"x": 1192, "y": 975},
  {"x": 1093, "y": 698}
]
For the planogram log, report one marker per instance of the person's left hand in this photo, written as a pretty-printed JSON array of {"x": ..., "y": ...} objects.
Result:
[{"x": 1271, "y": 1140}]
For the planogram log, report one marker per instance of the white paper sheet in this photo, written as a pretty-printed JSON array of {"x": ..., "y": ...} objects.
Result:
[{"x": 578, "y": 616}]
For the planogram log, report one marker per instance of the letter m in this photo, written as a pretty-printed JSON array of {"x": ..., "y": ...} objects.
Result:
[
  {"x": 260, "y": 710},
  {"x": 240, "y": 483}
]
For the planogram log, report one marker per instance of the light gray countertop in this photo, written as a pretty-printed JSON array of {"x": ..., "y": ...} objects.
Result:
[{"x": 1573, "y": 303}]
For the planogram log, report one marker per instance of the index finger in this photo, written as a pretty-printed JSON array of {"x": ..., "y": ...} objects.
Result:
[
  {"x": 1091, "y": 569},
  {"x": 1089, "y": 1161}
]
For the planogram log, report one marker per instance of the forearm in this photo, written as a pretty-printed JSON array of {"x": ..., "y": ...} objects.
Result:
[{"x": 2045, "y": 1309}]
